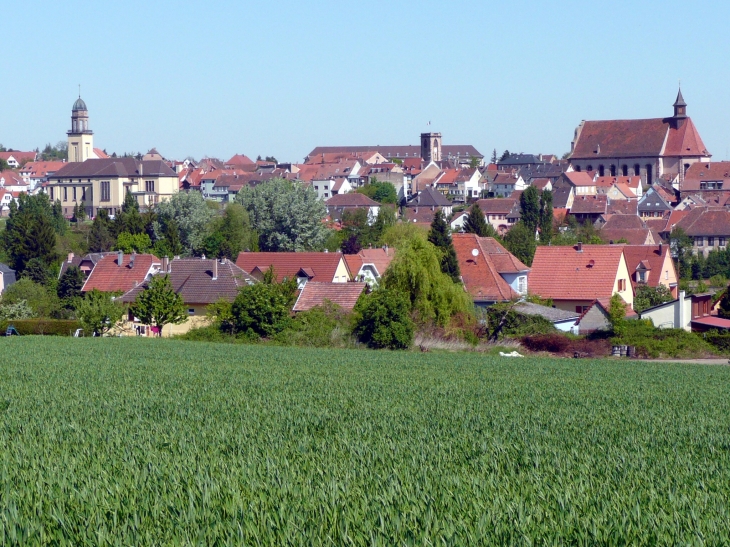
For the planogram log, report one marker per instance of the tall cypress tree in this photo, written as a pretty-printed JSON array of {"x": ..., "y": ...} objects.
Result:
[
  {"x": 439, "y": 235},
  {"x": 477, "y": 224},
  {"x": 546, "y": 217},
  {"x": 530, "y": 208}
]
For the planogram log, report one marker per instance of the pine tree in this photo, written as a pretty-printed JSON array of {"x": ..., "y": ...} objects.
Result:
[
  {"x": 440, "y": 237},
  {"x": 530, "y": 208},
  {"x": 546, "y": 217},
  {"x": 477, "y": 224},
  {"x": 100, "y": 236},
  {"x": 494, "y": 156}
]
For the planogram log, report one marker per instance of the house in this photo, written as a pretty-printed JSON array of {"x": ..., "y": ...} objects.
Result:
[
  {"x": 339, "y": 203},
  {"x": 314, "y": 294},
  {"x": 589, "y": 208},
  {"x": 309, "y": 266},
  {"x": 709, "y": 228},
  {"x": 565, "y": 321},
  {"x": 13, "y": 182},
  {"x": 583, "y": 184},
  {"x": 35, "y": 173},
  {"x": 200, "y": 282},
  {"x": 490, "y": 273},
  {"x": 85, "y": 263},
  {"x": 574, "y": 277},
  {"x": 6, "y": 198},
  {"x": 423, "y": 206},
  {"x": 239, "y": 160},
  {"x": 656, "y": 202},
  {"x": 648, "y": 148},
  {"x": 117, "y": 272},
  {"x": 503, "y": 184},
  {"x": 7, "y": 277},
  {"x": 563, "y": 197},
  {"x": 691, "y": 313},
  {"x": 369, "y": 265},
  {"x": 706, "y": 177},
  {"x": 385, "y": 172},
  {"x": 461, "y": 183},
  {"x": 457, "y": 222},
  {"x": 497, "y": 212},
  {"x": 651, "y": 265},
  {"x": 626, "y": 229},
  {"x": 16, "y": 158},
  {"x": 103, "y": 184},
  {"x": 619, "y": 188},
  {"x": 596, "y": 317}
]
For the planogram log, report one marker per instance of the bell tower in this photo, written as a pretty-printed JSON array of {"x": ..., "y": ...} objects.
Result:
[
  {"x": 431, "y": 147},
  {"x": 680, "y": 109},
  {"x": 80, "y": 137}
]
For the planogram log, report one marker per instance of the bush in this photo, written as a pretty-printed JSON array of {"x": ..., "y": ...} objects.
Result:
[
  {"x": 553, "y": 343},
  {"x": 42, "y": 301},
  {"x": 208, "y": 333},
  {"x": 652, "y": 342},
  {"x": 261, "y": 309},
  {"x": 382, "y": 319},
  {"x": 46, "y": 327},
  {"x": 720, "y": 341},
  {"x": 323, "y": 326}
]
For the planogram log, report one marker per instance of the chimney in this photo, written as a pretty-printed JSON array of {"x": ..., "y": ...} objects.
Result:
[
  {"x": 224, "y": 260},
  {"x": 131, "y": 259},
  {"x": 70, "y": 257},
  {"x": 579, "y": 247},
  {"x": 215, "y": 269},
  {"x": 661, "y": 248},
  {"x": 165, "y": 262},
  {"x": 120, "y": 258}
]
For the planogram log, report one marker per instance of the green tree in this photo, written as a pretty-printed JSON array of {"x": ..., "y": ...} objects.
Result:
[
  {"x": 170, "y": 244},
  {"x": 385, "y": 219},
  {"x": 475, "y": 223},
  {"x": 647, "y": 297},
  {"x": 58, "y": 219},
  {"x": 505, "y": 155},
  {"x": 287, "y": 215},
  {"x": 38, "y": 271},
  {"x": 724, "y": 308},
  {"x": 4, "y": 165},
  {"x": 159, "y": 305},
  {"x": 440, "y": 236},
  {"x": 191, "y": 216},
  {"x": 129, "y": 220},
  {"x": 530, "y": 208},
  {"x": 382, "y": 319},
  {"x": 17, "y": 310},
  {"x": 520, "y": 241},
  {"x": 681, "y": 246},
  {"x": 100, "y": 235},
  {"x": 29, "y": 232},
  {"x": 261, "y": 309},
  {"x": 235, "y": 231},
  {"x": 70, "y": 284},
  {"x": 41, "y": 300},
  {"x": 493, "y": 159},
  {"x": 380, "y": 191},
  {"x": 617, "y": 315},
  {"x": 416, "y": 272},
  {"x": 546, "y": 217},
  {"x": 99, "y": 312},
  {"x": 128, "y": 243}
]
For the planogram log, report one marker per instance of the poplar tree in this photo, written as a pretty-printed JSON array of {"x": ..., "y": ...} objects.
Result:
[
  {"x": 546, "y": 217},
  {"x": 477, "y": 224},
  {"x": 439, "y": 235}
]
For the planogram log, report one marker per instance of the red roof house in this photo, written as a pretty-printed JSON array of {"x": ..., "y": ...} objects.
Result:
[
  {"x": 314, "y": 294},
  {"x": 324, "y": 267},
  {"x": 118, "y": 272}
]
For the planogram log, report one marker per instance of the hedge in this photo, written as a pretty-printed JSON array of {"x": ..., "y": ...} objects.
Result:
[{"x": 47, "y": 327}]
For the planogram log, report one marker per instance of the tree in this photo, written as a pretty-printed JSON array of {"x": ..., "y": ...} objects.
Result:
[
  {"x": 351, "y": 246},
  {"x": 439, "y": 235},
  {"x": 170, "y": 244},
  {"x": 191, "y": 216},
  {"x": 128, "y": 243},
  {"x": 530, "y": 208},
  {"x": 129, "y": 220},
  {"x": 382, "y": 192},
  {"x": 617, "y": 315},
  {"x": 42, "y": 301},
  {"x": 59, "y": 220},
  {"x": 724, "y": 309},
  {"x": 505, "y": 155},
  {"x": 261, "y": 309},
  {"x": 15, "y": 311},
  {"x": 681, "y": 246},
  {"x": 29, "y": 232},
  {"x": 4, "y": 165},
  {"x": 416, "y": 272},
  {"x": 493, "y": 159},
  {"x": 382, "y": 320},
  {"x": 159, "y": 305},
  {"x": 385, "y": 219},
  {"x": 70, "y": 284},
  {"x": 100, "y": 235},
  {"x": 647, "y": 297},
  {"x": 546, "y": 217},
  {"x": 520, "y": 241},
  {"x": 98, "y": 312},
  {"x": 38, "y": 271},
  {"x": 475, "y": 223},
  {"x": 287, "y": 215}
]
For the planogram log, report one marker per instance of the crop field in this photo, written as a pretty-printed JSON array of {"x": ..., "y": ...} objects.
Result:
[{"x": 159, "y": 442}]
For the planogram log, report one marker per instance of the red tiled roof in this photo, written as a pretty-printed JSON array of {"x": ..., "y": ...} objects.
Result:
[
  {"x": 314, "y": 294},
  {"x": 620, "y": 138},
  {"x": 240, "y": 159},
  {"x": 481, "y": 273},
  {"x": 589, "y": 204},
  {"x": 496, "y": 205},
  {"x": 39, "y": 169},
  {"x": 706, "y": 222},
  {"x": 624, "y": 222},
  {"x": 636, "y": 236},
  {"x": 685, "y": 141},
  {"x": 703, "y": 171},
  {"x": 352, "y": 199},
  {"x": 632, "y": 181},
  {"x": 380, "y": 258},
  {"x": 109, "y": 276},
  {"x": 564, "y": 273},
  {"x": 579, "y": 178},
  {"x": 622, "y": 207},
  {"x": 19, "y": 156},
  {"x": 12, "y": 178},
  {"x": 652, "y": 256},
  {"x": 287, "y": 265}
]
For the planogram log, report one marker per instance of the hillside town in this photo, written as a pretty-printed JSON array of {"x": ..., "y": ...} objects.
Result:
[{"x": 636, "y": 209}]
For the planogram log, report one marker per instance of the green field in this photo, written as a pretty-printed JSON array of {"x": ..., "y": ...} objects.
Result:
[{"x": 132, "y": 442}]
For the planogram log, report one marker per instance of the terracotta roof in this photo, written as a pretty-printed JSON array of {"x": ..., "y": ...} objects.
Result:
[
  {"x": 109, "y": 276},
  {"x": 706, "y": 222},
  {"x": 240, "y": 159},
  {"x": 685, "y": 140},
  {"x": 564, "y": 273},
  {"x": 19, "y": 156},
  {"x": 380, "y": 257},
  {"x": 579, "y": 178},
  {"x": 540, "y": 183},
  {"x": 624, "y": 222},
  {"x": 589, "y": 204},
  {"x": 352, "y": 199},
  {"x": 496, "y": 206},
  {"x": 637, "y": 236},
  {"x": 192, "y": 278},
  {"x": 287, "y": 265},
  {"x": 481, "y": 273},
  {"x": 632, "y": 181},
  {"x": 717, "y": 171},
  {"x": 314, "y": 294},
  {"x": 620, "y": 138},
  {"x": 12, "y": 178},
  {"x": 39, "y": 169},
  {"x": 420, "y": 215},
  {"x": 622, "y": 207},
  {"x": 652, "y": 257}
]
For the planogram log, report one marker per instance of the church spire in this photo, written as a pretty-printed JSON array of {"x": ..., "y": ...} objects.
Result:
[{"x": 680, "y": 107}]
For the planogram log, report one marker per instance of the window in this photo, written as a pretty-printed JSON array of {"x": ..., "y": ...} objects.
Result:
[
  {"x": 65, "y": 193},
  {"x": 625, "y": 170},
  {"x": 666, "y": 274},
  {"x": 51, "y": 194},
  {"x": 74, "y": 193},
  {"x": 699, "y": 241},
  {"x": 149, "y": 185},
  {"x": 601, "y": 171},
  {"x": 721, "y": 241},
  {"x": 710, "y": 241},
  {"x": 522, "y": 284},
  {"x": 621, "y": 285},
  {"x": 642, "y": 276},
  {"x": 191, "y": 311},
  {"x": 105, "y": 190}
]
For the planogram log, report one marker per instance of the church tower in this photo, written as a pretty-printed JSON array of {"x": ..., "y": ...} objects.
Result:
[
  {"x": 80, "y": 137},
  {"x": 680, "y": 110},
  {"x": 431, "y": 147}
]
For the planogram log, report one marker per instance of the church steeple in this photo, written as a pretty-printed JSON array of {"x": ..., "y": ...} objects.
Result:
[
  {"x": 80, "y": 137},
  {"x": 680, "y": 107}
]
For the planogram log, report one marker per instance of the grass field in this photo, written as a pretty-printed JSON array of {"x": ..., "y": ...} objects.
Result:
[{"x": 152, "y": 442}]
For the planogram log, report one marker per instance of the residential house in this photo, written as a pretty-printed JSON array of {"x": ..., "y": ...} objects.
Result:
[
  {"x": 310, "y": 266},
  {"x": 239, "y": 160},
  {"x": 384, "y": 172},
  {"x": 490, "y": 273},
  {"x": 651, "y": 265},
  {"x": 35, "y": 173},
  {"x": 620, "y": 187},
  {"x": 589, "y": 208},
  {"x": 583, "y": 184},
  {"x": 339, "y": 203},
  {"x": 7, "y": 277},
  {"x": 502, "y": 185},
  {"x": 13, "y": 182},
  {"x": 574, "y": 277},
  {"x": 85, "y": 263},
  {"x": 6, "y": 198},
  {"x": 423, "y": 206},
  {"x": 709, "y": 228},
  {"x": 369, "y": 265},
  {"x": 626, "y": 229},
  {"x": 648, "y": 148},
  {"x": 565, "y": 321},
  {"x": 460, "y": 183},
  {"x": 457, "y": 222},
  {"x": 656, "y": 202},
  {"x": 497, "y": 212},
  {"x": 16, "y": 158},
  {"x": 315, "y": 294},
  {"x": 117, "y": 272},
  {"x": 103, "y": 184},
  {"x": 596, "y": 317},
  {"x": 690, "y": 313},
  {"x": 563, "y": 197}
]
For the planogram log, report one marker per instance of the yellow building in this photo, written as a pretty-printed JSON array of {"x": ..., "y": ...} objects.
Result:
[{"x": 80, "y": 137}]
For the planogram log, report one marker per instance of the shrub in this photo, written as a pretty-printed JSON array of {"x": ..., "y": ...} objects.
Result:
[
  {"x": 42, "y": 301},
  {"x": 720, "y": 341},
  {"x": 261, "y": 309},
  {"x": 652, "y": 342},
  {"x": 323, "y": 326},
  {"x": 46, "y": 327},
  {"x": 382, "y": 319},
  {"x": 553, "y": 343}
]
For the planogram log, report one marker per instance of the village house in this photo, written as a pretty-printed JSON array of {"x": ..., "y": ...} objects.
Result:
[
  {"x": 575, "y": 277},
  {"x": 651, "y": 265},
  {"x": 369, "y": 265},
  {"x": 7, "y": 277},
  {"x": 35, "y": 173},
  {"x": 119, "y": 272},
  {"x": 706, "y": 178},
  {"x": 338, "y": 204},
  {"x": 502, "y": 185},
  {"x": 626, "y": 229},
  {"x": 423, "y": 206},
  {"x": 708, "y": 228},
  {"x": 16, "y": 158},
  {"x": 497, "y": 212},
  {"x": 307, "y": 266},
  {"x": 690, "y": 313},
  {"x": 656, "y": 202},
  {"x": 589, "y": 208},
  {"x": 490, "y": 273},
  {"x": 314, "y": 293},
  {"x": 648, "y": 148}
]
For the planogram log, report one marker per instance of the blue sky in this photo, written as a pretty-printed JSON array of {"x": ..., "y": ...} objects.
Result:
[{"x": 279, "y": 78}]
